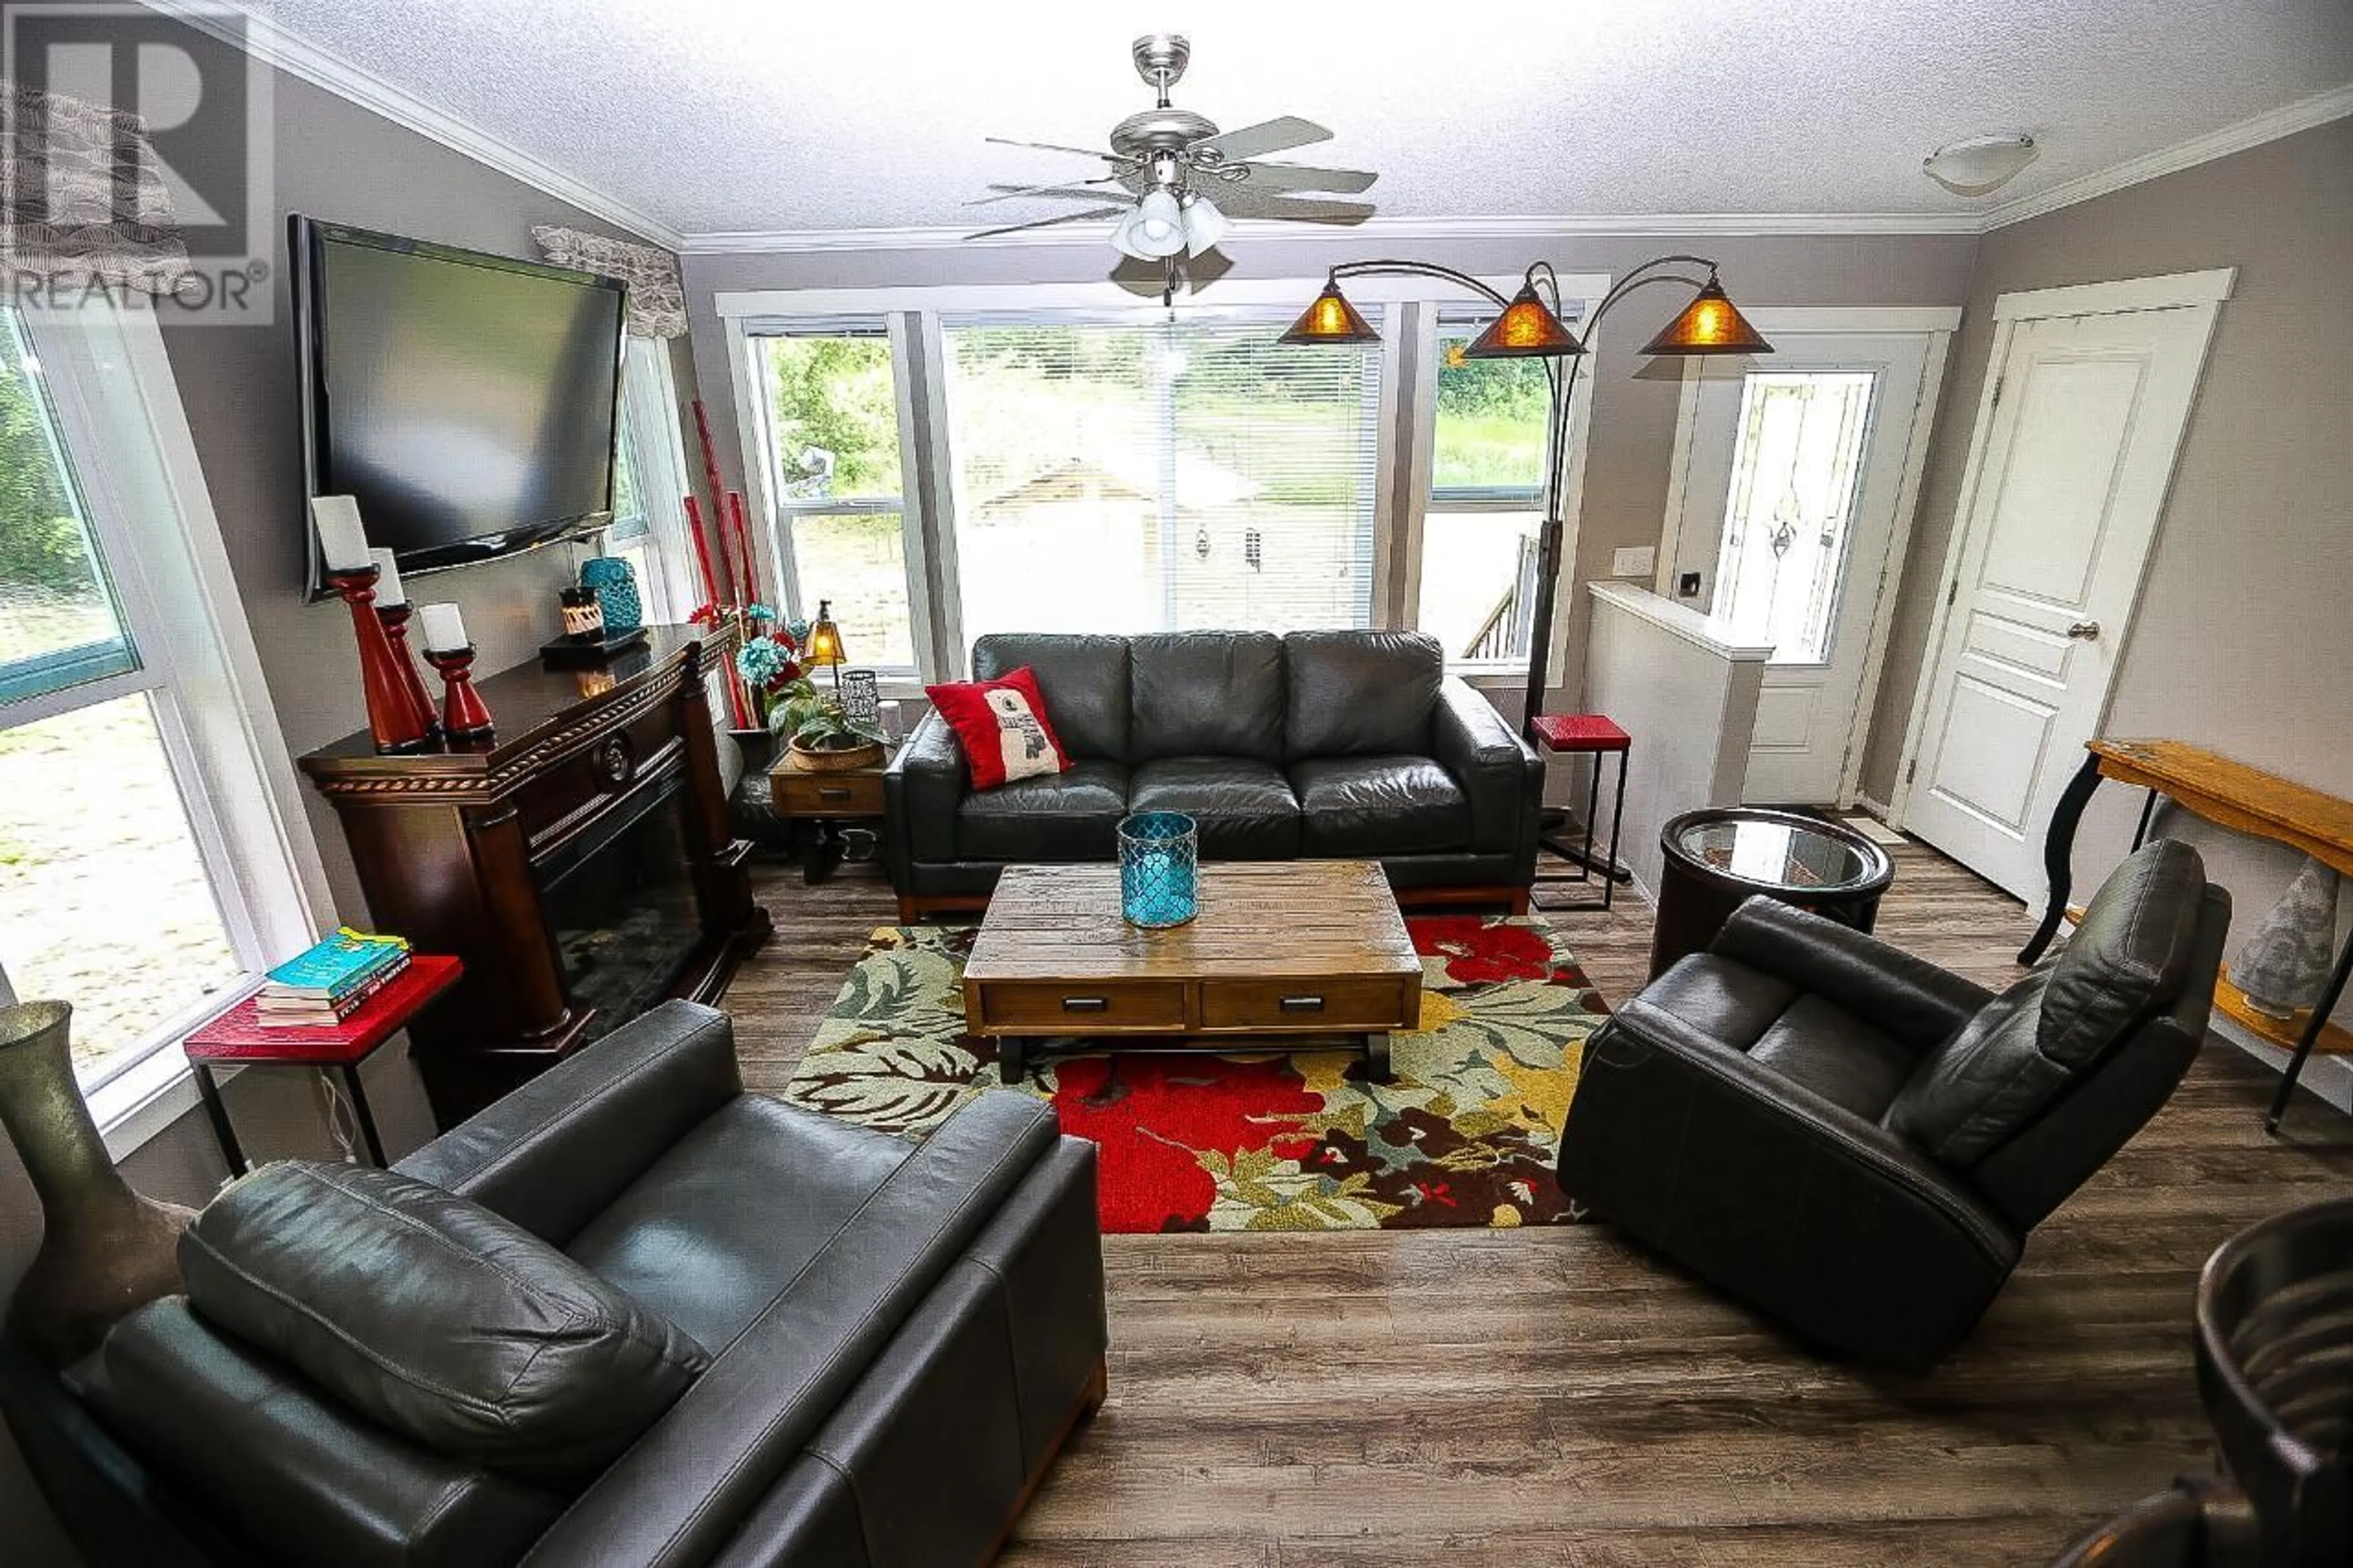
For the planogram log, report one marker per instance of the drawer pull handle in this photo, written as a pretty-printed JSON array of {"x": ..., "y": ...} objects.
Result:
[
  {"x": 838, "y": 793},
  {"x": 1085, "y": 1004},
  {"x": 1303, "y": 1003}
]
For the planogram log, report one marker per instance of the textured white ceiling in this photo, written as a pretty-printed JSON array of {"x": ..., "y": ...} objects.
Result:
[{"x": 729, "y": 115}]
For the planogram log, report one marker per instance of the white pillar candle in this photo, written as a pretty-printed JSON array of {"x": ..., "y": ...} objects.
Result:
[
  {"x": 388, "y": 591},
  {"x": 342, "y": 543},
  {"x": 445, "y": 630}
]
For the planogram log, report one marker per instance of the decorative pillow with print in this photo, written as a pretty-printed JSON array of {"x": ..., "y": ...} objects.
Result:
[{"x": 1002, "y": 726}]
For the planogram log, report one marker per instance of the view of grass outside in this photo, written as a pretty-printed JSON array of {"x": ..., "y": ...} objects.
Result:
[
  {"x": 1485, "y": 509},
  {"x": 104, "y": 901}
]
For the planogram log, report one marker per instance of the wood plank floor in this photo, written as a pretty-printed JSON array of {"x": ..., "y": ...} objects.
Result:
[{"x": 1556, "y": 1395}]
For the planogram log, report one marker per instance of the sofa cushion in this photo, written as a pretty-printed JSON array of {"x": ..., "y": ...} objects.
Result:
[
  {"x": 1002, "y": 726},
  {"x": 1206, "y": 694},
  {"x": 1359, "y": 694},
  {"x": 1068, "y": 816},
  {"x": 2127, "y": 963},
  {"x": 700, "y": 1238},
  {"x": 1082, "y": 678},
  {"x": 436, "y": 1318},
  {"x": 1244, "y": 808},
  {"x": 1378, "y": 805}
]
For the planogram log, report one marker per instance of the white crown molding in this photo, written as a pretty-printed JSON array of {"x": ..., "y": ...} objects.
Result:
[
  {"x": 2286, "y": 121},
  {"x": 759, "y": 242},
  {"x": 273, "y": 47}
]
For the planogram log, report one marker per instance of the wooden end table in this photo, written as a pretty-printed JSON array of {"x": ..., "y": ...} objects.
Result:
[
  {"x": 237, "y": 1038},
  {"x": 826, "y": 801},
  {"x": 1280, "y": 949}
]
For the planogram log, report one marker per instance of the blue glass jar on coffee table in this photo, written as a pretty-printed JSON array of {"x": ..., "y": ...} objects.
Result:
[{"x": 1159, "y": 868}]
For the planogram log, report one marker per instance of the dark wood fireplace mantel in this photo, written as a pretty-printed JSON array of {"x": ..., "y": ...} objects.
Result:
[{"x": 456, "y": 850}]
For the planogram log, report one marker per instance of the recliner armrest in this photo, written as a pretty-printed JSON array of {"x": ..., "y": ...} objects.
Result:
[
  {"x": 552, "y": 1154},
  {"x": 1498, "y": 772},
  {"x": 697, "y": 1474},
  {"x": 1824, "y": 1219},
  {"x": 921, "y": 791},
  {"x": 1909, "y": 998}
]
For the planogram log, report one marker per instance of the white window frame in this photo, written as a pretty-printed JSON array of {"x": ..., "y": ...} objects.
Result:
[
  {"x": 1406, "y": 436},
  {"x": 117, "y": 405},
  {"x": 658, "y": 455}
]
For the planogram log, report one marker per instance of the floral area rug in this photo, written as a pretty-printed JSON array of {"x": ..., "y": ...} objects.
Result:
[{"x": 1464, "y": 1135}]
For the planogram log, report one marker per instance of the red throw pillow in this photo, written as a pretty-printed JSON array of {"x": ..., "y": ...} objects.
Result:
[{"x": 1003, "y": 727}]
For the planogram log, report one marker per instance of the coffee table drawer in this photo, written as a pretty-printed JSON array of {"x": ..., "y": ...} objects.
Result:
[
  {"x": 1305, "y": 1005},
  {"x": 1080, "y": 1008}
]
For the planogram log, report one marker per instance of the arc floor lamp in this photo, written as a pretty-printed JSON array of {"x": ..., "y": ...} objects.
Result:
[{"x": 1530, "y": 327}]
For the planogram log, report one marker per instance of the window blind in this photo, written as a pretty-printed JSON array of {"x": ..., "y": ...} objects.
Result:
[{"x": 1140, "y": 473}]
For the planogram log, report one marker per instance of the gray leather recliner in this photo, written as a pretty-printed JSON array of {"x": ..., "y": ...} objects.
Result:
[
  {"x": 1329, "y": 746},
  {"x": 899, "y": 1337}
]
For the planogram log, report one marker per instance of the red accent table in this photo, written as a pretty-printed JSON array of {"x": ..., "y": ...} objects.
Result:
[
  {"x": 237, "y": 1038},
  {"x": 1589, "y": 734}
]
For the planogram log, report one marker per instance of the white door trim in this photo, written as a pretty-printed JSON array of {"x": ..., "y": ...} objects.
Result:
[
  {"x": 2166, "y": 291},
  {"x": 2202, "y": 292}
]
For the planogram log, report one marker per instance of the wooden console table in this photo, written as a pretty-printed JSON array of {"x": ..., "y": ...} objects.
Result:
[
  {"x": 2234, "y": 795},
  {"x": 581, "y": 863}
]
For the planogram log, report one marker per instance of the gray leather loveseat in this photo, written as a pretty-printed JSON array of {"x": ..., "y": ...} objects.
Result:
[
  {"x": 1332, "y": 744},
  {"x": 769, "y": 1338}
]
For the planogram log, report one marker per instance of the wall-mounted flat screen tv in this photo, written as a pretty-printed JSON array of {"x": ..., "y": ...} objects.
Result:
[{"x": 467, "y": 400}]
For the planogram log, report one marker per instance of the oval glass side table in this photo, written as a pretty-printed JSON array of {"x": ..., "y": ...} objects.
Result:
[{"x": 1718, "y": 858}]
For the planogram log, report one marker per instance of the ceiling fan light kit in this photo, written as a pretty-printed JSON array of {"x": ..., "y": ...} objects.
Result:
[
  {"x": 1981, "y": 165},
  {"x": 1169, "y": 161}
]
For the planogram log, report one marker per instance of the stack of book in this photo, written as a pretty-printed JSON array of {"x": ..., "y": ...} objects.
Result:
[{"x": 321, "y": 988}]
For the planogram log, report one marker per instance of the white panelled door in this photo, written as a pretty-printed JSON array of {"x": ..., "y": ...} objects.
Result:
[
  {"x": 2061, "y": 503},
  {"x": 1790, "y": 501}
]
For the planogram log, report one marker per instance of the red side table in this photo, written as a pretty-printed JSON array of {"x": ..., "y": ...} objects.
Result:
[
  {"x": 1589, "y": 733},
  {"x": 237, "y": 1038}
]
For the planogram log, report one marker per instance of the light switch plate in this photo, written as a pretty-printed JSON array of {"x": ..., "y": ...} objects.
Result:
[{"x": 1634, "y": 561}]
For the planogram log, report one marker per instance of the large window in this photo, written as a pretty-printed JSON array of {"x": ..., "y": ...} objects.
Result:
[
  {"x": 1485, "y": 510},
  {"x": 837, "y": 524},
  {"x": 650, "y": 483},
  {"x": 1156, "y": 474},
  {"x": 145, "y": 868}
]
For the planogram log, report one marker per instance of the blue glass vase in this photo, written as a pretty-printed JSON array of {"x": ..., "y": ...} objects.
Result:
[
  {"x": 617, "y": 591},
  {"x": 1159, "y": 868}
]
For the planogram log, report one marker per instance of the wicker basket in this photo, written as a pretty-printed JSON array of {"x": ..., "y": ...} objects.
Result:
[{"x": 849, "y": 759}]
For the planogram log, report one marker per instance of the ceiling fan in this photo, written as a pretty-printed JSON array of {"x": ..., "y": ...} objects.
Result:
[{"x": 1174, "y": 180}]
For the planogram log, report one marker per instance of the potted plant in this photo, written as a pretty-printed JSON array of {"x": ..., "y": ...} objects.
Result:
[{"x": 815, "y": 730}]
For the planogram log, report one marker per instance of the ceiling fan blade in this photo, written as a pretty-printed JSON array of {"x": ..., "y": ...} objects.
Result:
[
  {"x": 1301, "y": 178},
  {"x": 1058, "y": 147},
  {"x": 1047, "y": 222},
  {"x": 1064, "y": 188},
  {"x": 1241, "y": 203},
  {"x": 1267, "y": 136}
]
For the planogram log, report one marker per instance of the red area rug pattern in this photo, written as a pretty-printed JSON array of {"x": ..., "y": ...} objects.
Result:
[{"x": 1194, "y": 1141}]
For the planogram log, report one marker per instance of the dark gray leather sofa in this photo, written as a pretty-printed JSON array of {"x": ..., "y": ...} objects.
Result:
[
  {"x": 1337, "y": 744},
  {"x": 1858, "y": 1142},
  {"x": 899, "y": 1337}
]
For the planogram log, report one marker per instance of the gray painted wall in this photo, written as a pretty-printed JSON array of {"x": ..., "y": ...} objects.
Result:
[
  {"x": 2244, "y": 638},
  {"x": 334, "y": 159},
  {"x": 1633, "y": 428}
]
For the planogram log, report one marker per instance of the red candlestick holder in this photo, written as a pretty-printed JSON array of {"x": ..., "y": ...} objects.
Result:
[
  {"x": 396, "y": 619},
  {"x": 464, "y": 716},
  {"x": 394, "y": 721}
]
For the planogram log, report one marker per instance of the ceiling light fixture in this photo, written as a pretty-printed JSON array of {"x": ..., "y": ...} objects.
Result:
[
  {"x": 1204, "y": 225},
  {"x": 1153, "y": 231},
  {"x": 1981, "y": 163}
]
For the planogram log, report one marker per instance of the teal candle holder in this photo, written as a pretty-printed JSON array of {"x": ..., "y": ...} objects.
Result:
[{"x": 1159, "y": 869}]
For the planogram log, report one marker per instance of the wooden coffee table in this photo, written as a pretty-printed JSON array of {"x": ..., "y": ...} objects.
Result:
[{"x": 1280, "y": 949}]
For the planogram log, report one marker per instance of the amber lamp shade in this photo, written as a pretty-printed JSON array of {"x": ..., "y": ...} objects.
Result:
[
  {"x": 1331, "y": 320},
  {"x": 1710, "y": 324},
  {"x": 1527, "y": 328},
  {"x": 824, "y": 639}
]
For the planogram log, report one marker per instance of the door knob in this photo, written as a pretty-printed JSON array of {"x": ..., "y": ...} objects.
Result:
[{"x": 2085, "y": 631}]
